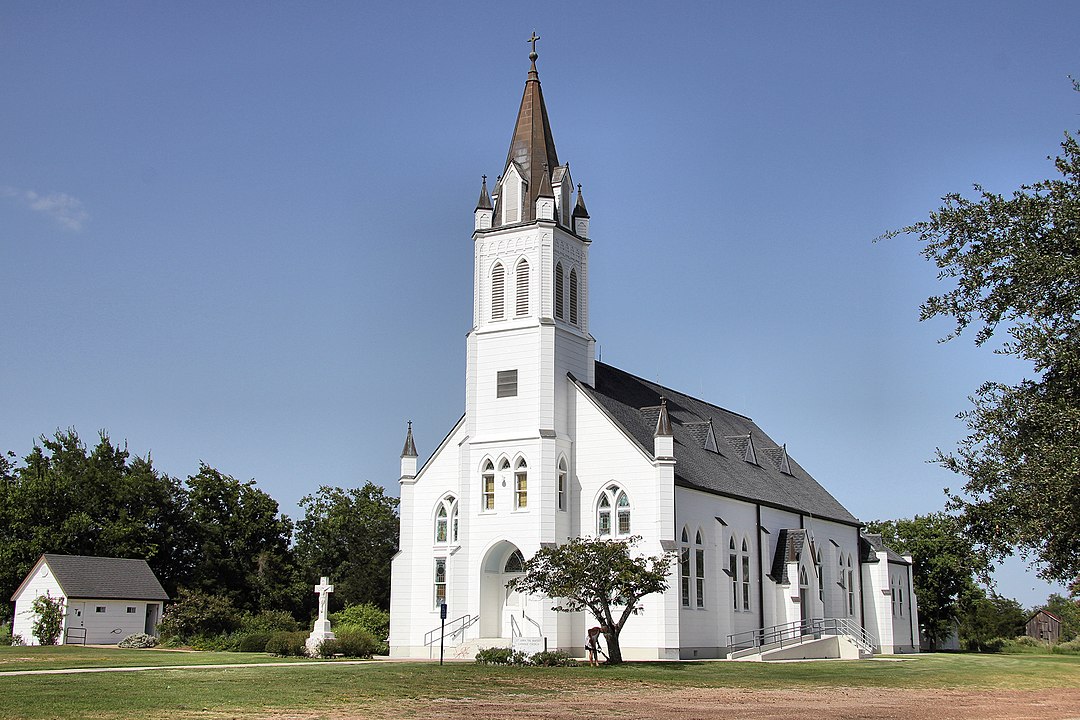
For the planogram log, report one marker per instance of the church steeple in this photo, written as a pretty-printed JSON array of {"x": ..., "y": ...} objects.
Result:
[{"x": 532, "y": 148}]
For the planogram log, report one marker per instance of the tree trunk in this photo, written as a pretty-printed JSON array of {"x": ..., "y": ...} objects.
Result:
[{"x": 614, "y": 652}]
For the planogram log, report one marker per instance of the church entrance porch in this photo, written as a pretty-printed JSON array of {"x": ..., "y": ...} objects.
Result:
[{"x": 501, "y": 609}]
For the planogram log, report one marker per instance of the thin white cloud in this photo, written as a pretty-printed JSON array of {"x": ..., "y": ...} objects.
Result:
[{"x": 66, "y": 210}]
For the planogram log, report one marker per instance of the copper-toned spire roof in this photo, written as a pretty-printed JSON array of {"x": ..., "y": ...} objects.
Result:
[
  {"x": 484, "y": 203},
  {"x": 532, "y": 146},
  {"x": 410, "y": 446}
]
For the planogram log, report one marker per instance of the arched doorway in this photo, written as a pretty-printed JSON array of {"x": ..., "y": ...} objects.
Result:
[{"x": 498, "y": 604}]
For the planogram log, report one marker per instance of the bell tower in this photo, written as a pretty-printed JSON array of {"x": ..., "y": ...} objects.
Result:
[{"x": 530, "y": 288}]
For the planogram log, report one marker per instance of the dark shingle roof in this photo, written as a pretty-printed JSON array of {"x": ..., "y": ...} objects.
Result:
[
  {"x": 790, "y": 544},
  {"x": 624, "y": 395},
  {"x": 872, "y": 544},
  {"x": 106, "y": 578}
]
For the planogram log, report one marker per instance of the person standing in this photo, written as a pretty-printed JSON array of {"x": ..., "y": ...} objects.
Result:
[{"x": 592, "y": 642}]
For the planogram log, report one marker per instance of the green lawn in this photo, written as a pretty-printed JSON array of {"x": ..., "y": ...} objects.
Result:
[
  {"x": 72, "y": 656},
  {"x": 251, "y": 691}
]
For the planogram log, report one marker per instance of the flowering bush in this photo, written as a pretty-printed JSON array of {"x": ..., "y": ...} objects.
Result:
[
  {"x": 48, "y": 618},
  {"x": 138, "y": 640}
]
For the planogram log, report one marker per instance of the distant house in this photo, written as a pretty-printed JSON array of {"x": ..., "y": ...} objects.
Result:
[
  {"x": 106, "y": 599},
  {"x": 1044, "y": 626}
]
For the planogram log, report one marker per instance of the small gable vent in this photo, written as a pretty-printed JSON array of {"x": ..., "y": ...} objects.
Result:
[
  {"x": 779, "y": 458},
  {"x": 744, "y": 447}
]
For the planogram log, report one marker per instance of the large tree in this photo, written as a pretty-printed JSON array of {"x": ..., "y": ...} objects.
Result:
[
  {"x": 243, "y": 543},
  {"x": 599, "y": 576},
  {"x": 1013, "y": 267},
  {"x": 944, "y": 567},
  {"x": 66, "y": 499},
  {"x": 350, "y": 535}
]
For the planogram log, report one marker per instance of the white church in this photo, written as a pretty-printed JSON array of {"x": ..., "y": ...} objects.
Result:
[{"x": 554, "y": 445}]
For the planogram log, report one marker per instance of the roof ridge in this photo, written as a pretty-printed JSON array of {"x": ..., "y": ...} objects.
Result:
[{"x": 677, "y": 392}]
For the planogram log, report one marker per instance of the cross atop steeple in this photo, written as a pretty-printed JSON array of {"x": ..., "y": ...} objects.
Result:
[{"x": 533, "y": 39}]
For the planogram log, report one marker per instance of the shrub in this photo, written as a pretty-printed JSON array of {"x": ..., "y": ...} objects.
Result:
[
  {"x": 1072, "y": 647},
  {"x": 553, "y": 658},
  {"x": 1028, "y": 641},
  {"x": 196, "y": 613},
  {"x": 287, "y": 644},
  {"x": 500, "y": 656},
  {"x": 5, "y": 635},
  {"x": 355, "y": 642},
  {"x": 48, "y": 618},
  {"x": 365, "y": 615},
  {"x": 138, "y": 640},
  {"x": 254, "y": 642},
  {"x": 268, "y": 621}
]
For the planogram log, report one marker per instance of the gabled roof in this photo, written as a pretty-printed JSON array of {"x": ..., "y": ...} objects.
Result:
[
  {"x": 82, "y": 576},
  {"x": 632, "y": 403},
  {"x": 871, "y": 544},
  {"x": 790, "y": 544}
]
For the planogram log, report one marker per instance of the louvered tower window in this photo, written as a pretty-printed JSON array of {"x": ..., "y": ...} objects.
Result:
[
  {"x": 573, "y": 296},
  {"x": 521, "y": 285},
  {"x": 559, "y": 314},
  {"x": 498, "y": 294}
]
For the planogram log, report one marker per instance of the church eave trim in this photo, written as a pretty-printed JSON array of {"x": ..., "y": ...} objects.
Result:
[
  {"x": 582, "y": 390},
  {"x": 438, "y": 448},
  {"x": 682, "y": 482}
]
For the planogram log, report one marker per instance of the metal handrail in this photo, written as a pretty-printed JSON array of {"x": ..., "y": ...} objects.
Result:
[
  {"x": 778, "y": 636},
  {"x": 68, "y": 631},
  {"x": 539, "y": 630},
  {"x": 515, "y": 631},
  {"x": 449, "y": 630}
]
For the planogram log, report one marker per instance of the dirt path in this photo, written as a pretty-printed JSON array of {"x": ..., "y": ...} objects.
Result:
[{"x": 727, "y": 704}]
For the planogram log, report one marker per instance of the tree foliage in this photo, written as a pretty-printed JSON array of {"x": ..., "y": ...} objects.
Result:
[
  {"x": 944, "y": 567},
  {"x": 986, "y": 618},
  {"x": 598, "y": 576},
  {"x": 1013, "y": 265},
  {"x": 1068, "y": 609},
  {"x": 103, "y": 502},
  {"x": 351, "y": 534},
  {"x": 242, "y": 543}
]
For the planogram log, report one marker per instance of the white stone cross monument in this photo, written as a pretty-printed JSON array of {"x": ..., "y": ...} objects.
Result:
[{"x": 321, "y": 630}]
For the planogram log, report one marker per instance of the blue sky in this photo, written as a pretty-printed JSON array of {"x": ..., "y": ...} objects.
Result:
[{"x": 240, "y": 232}]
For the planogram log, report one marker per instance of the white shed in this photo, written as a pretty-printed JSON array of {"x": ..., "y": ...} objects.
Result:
[{"x": 106, "y": 599}]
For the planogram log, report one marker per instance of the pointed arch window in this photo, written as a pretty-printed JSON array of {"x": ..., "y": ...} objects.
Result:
[
  {"x": 446, "y": 520},
  {"x": 820, "y": 570},
  {"x": 684, "y": 567},
  {"x": 699, "y": 570},
  {"x": 562, "y": 484},
  {"x": 573, "y": 296},
  {"x": 521, "y": 485},
  {"x": 559, "y": 299},
  {"x": 487, "y": 486},
  {"x": 521, "y": 287},
  {"x": 744, "y": 567},
  {"x": 498, "y": 291},
  {"x": 733, "y": 571},
  {"x": 515, "y": 563},
  {"x": 850, "y": 587},
  {"x": 613, "y": 499}
]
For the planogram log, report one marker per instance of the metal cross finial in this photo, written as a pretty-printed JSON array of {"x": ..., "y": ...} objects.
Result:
[{"x": 533, "y": 39}]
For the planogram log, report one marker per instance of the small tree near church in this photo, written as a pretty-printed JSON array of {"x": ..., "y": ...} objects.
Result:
[{"x": 599, "y": 576}]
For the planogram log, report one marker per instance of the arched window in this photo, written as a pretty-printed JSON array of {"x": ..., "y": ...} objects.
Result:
[
  {"x": 446, "y": 520},
  {"x": 820, "y": 575},
  {"x": 498, "y": 291},
  {"x": 487, "y": 489},
  {"x": 562, "y": 483},
  {"x": 684, "y": 567},
  {"x": 900, "y": 596},
  {"x": 521, "y": 485},
  {"x": 440, "y": 581},
  {"x": 744, "y": 578},
  {"x": 850, "y": 587},
  {"x": 559, "y": 300},
  {"x": 699, "y": 570},
  {"x": 733, "y": 571},
  {"x": 515, "y": 563},
  {"x": 573, "y": 297},
  {"x": 613, "y": 498},
  {"x": 521, "y": 287},
  {"x": 892, "y": 593}
]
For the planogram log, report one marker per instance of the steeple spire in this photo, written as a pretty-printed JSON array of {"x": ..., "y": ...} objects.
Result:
[
  {"x": 409, "y": 451},
  {"x": 532, "y": 145},
  {"x": 484, "y": 203}
]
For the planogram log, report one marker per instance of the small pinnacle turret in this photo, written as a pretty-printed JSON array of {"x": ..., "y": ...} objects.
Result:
[
  {"x": 579, "y": 207},
  {"x": 409, "y": 450},
  {"x": 663, "y": 422},
  {"x": 484, "y": 203}
]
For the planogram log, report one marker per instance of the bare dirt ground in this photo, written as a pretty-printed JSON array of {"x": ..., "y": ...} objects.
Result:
[{"x": 702, "y": 703}]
